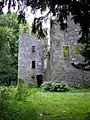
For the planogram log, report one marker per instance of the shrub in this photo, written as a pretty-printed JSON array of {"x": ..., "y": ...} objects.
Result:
[
  {"x": 55, "y": 86},
  {"x": 8, "y": 76},
  {"x": 20, "y": 94},
  {"x": 4, "y": 100}
]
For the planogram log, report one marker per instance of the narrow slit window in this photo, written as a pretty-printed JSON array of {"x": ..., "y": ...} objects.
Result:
[
  {"x": 33, "y": 64},
  {"x": 33, "y": 48},
  {"x": 66, "y": 52}
]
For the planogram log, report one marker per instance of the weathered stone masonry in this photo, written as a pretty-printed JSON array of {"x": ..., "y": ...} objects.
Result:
[
  {"x": 30, "y": 59},
  {"x": 59, "y": 67}
]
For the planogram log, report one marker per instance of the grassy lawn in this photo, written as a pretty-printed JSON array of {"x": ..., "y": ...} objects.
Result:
[{"x": 73, "y": 105}]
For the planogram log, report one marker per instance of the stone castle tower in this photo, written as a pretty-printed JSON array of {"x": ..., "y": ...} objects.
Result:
[
  {"x": 30, "y": 60},
  {"x": 62, "y": 55}
]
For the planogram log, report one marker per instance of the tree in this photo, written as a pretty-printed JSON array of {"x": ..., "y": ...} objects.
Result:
[
  {"x": 9, "y": 32},
  {"x": 80, "y": 9}
]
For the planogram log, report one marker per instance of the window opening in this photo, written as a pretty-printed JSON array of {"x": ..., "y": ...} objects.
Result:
[
  {"x": 66, "y": 52},
  {"x": 33, "y": 48},
  {"x": 33, "y": 64}
]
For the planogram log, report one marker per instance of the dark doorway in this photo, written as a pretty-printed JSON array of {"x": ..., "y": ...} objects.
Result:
[{"x": 39, "y": 80}]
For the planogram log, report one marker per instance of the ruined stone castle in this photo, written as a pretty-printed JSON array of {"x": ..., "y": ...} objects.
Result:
[
  {"x": 60, "y": 57},
  {"x": 62, "y": 54},
  {"x": 30, "y": 60}
]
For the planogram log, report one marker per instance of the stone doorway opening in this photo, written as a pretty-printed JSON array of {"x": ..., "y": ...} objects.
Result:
[{"x": 39, "y": 80}]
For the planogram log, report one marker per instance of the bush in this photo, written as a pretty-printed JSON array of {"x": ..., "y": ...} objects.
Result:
[
  {"x": 11, "y": 109},
  {"x": 4, "y": 101},
  {"x": 20, "y": 94},
  {"x": 55, "y": 86},
  {"x": 8, "y": 76}
]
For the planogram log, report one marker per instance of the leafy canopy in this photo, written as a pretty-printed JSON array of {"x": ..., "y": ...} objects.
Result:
[
  {"x": 9, "y": 32},
  {"x": 80, "y": 10}
]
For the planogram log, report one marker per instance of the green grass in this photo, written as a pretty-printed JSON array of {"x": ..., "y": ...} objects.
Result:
[{"x": 39, "y": 105}]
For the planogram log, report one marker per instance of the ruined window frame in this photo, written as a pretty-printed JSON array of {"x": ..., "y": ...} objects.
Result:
[
  {"x": 33, "y": 48},
  {"x": 66, "y": 53},
  {"x": 33, "y": 65}
]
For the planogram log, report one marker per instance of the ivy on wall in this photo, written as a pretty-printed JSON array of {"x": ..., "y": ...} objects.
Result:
[
  {"x": 66, "y": 52},
  {"x": 78, "y": 49}
]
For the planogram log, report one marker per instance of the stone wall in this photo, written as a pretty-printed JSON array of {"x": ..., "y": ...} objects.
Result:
[
  {"x": 26, "y": 56},
  {"x": 61, "y": 68}
]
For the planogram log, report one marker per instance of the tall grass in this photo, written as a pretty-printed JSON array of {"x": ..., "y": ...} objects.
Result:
[{"x": 34, "y": 104}]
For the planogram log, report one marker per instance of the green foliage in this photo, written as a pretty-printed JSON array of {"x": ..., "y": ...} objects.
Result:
[
  {"x": 9, "y": 32},
  {"x": 78, "y": 49},
  {"x": 14, "y": 110},
  {"x": 24, "y": 28},
  {"x": 32, "y": 91},
  {"x": 4, "y": 96},
  {"x": 22, "y": 92},
  {"x": 20, "y": 95},
  {"x": 66, "y": 52},
  {"x": 9, "y": 35},
  {"x": 4, "y": 100},
  {"x": 55, "y": 86},
  {"x": 45, "y": 105},
  {"x": 78, "y": 8},
  {"x": 38, "y": 29}
]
